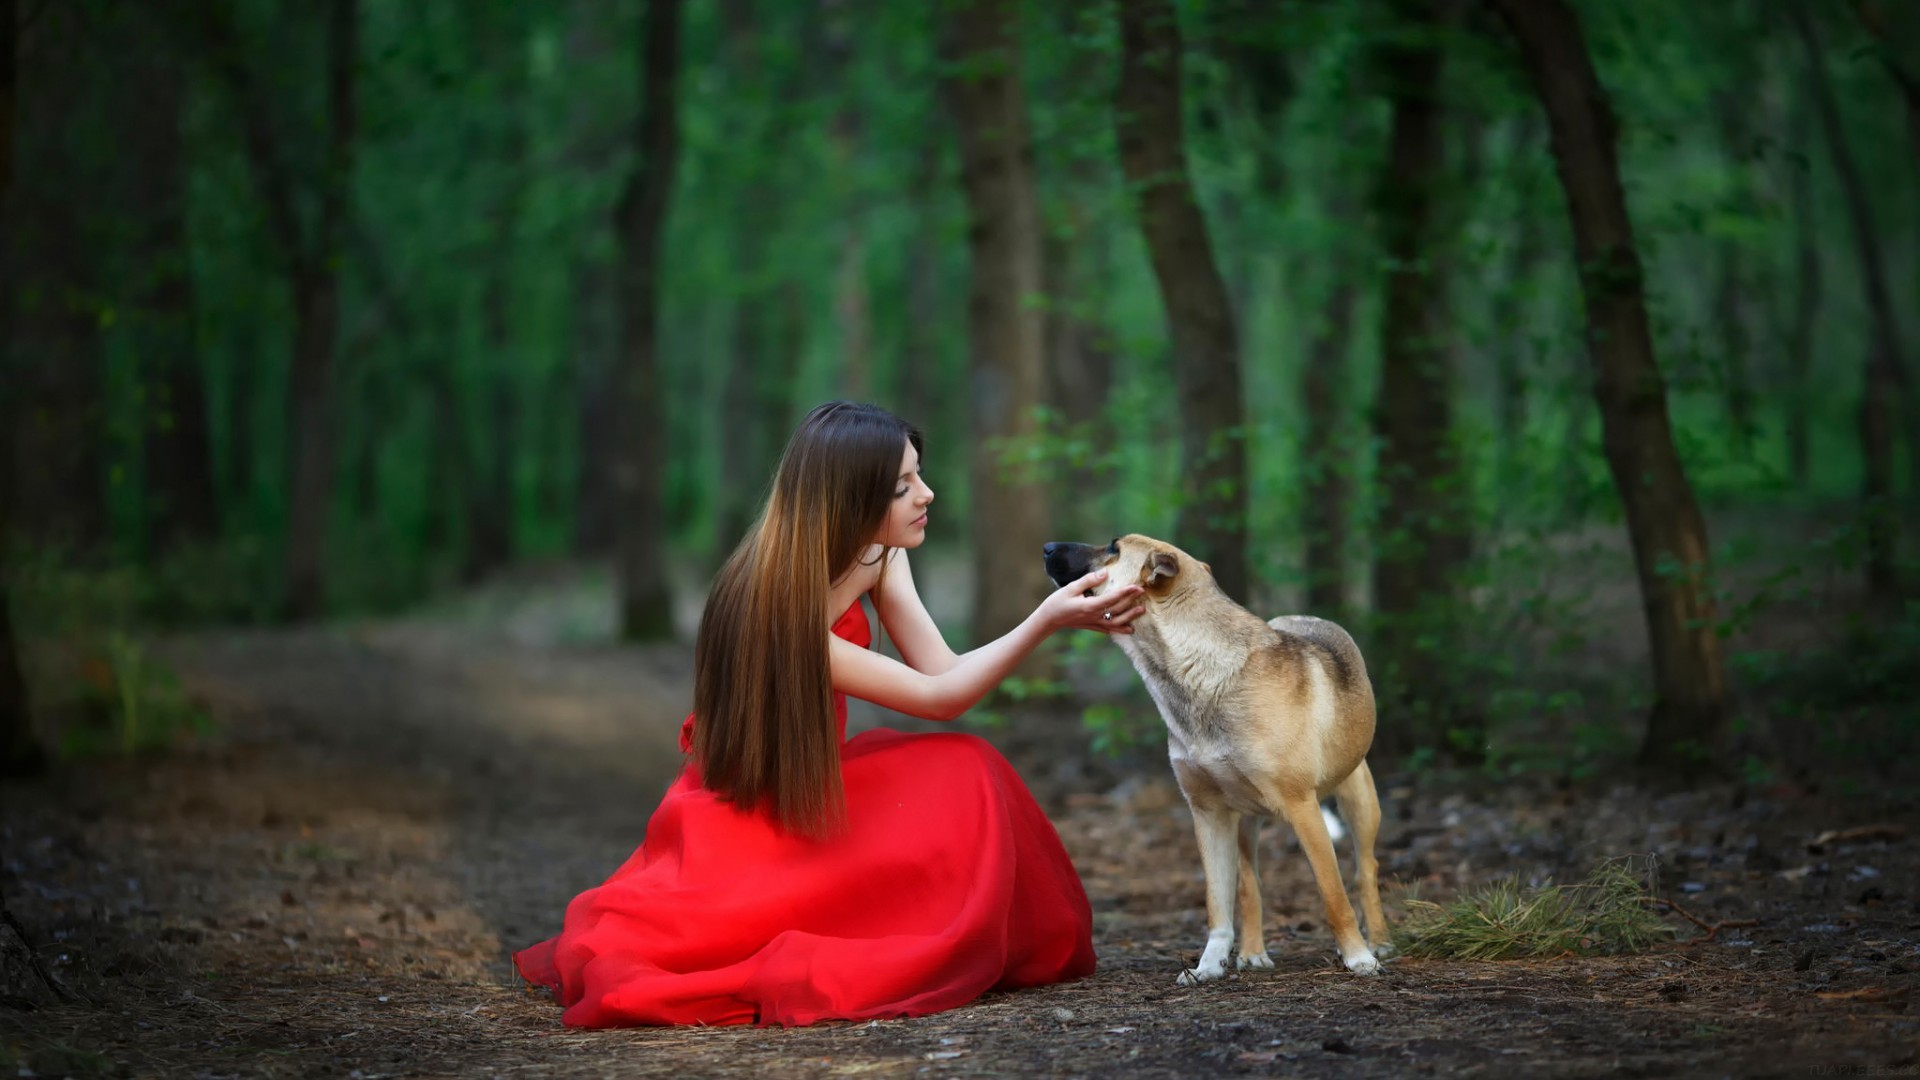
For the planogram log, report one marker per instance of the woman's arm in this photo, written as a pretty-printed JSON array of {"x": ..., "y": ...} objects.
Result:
[
  {"x": 907, "y": 622},
  {"x": 890, "y": 684}
]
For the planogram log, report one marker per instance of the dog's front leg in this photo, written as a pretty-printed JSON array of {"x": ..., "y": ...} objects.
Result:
[{"x": 1217, "y": 830}]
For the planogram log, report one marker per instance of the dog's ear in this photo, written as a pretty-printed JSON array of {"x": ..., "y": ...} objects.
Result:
[{"x": 1161, "y": 567}]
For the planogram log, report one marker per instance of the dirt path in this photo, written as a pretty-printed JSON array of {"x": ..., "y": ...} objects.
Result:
[{"x": 331, "y": 888}]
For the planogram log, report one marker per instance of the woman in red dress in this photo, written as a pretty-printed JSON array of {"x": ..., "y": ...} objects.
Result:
[{"x": 792, "y": 875}]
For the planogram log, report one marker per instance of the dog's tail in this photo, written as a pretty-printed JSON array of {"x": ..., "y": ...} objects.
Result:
[{"x": 1336, "y": 828}]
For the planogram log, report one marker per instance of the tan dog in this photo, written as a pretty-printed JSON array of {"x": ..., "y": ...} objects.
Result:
[{"x": 1263, "y": 719}]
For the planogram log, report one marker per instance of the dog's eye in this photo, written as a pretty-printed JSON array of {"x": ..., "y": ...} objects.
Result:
[{"x": 1113, "y": 548}]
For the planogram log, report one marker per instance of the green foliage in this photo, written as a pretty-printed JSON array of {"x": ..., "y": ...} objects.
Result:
[
  {"x": 129, "y": 703},
  {"x": 818, "y": 207},
  {"x": 1606, "y": 914},
  {"x": 101, "y": 692},
  {"x": 1119, "y": 729}
]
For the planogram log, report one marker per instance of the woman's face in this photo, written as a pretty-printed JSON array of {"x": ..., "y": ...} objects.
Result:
[{"x": 906, "y": 524}]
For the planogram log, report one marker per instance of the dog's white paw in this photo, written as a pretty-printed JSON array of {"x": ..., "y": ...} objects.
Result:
[
  {"x": 1202, "y": 972},
  {"x": 1253, "y": 960},
  {"x": 1384, "y": 950},
  {"x": 1363, "y": 963}
]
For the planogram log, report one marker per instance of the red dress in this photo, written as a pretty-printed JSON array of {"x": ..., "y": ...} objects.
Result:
[{"x": 947, "y": 882}]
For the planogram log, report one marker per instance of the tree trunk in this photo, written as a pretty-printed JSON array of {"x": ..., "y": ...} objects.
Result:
[
  {"x": 1206, "y": 352},
  {"x": 1080, "y": 362},
  {"x": 57, "y": 445},
  {"x": 1733, "y": 280},
  {"x": 757, "y": 399},
  {"x": 316, "y": 287},
  {"x": 447, "y": 478},
  {"x": 1806, "y": 304},
  {"x": 646, "y": 603},
  {"x": 1326, "y": 448},
  {"x": 179, "y": 445},
  {"x": 490, "y": 496},
  {"x": 1902, "y": 63},
  {"x": 20, "y": 751},
  {"x": 1422, "y": 540},
  {"x": 1511, "y": 305},
  {"x": 920, "y": 361},
  {"x": 1006, "y": 329},
  {"x": 1689, "y": 723},
  {"x": 1885, "y": 374},
  {"x": 1730, "y": 317},
  {"x": 832, "y": 41},
  {"x": 596, "y": 344}
]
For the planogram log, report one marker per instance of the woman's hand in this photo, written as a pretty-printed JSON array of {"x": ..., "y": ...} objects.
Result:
[{"x": 1110, "y": 612}]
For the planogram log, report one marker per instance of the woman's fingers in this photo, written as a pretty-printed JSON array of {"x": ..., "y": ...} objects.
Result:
[
  {"x": 1115, "y": 610},
  {"x": 1121, "y": 623}
]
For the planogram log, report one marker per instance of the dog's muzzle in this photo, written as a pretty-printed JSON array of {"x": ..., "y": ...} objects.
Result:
[{"x": 1068, "y": 562}]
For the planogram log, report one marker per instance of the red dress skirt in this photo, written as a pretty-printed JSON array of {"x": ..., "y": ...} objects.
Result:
[{"x": 947, "y": 882}]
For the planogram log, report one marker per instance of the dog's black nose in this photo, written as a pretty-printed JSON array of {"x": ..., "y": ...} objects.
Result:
[{"x": 1050, "y": 547}]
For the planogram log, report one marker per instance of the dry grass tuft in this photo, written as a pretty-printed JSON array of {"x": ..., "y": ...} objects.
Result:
[{"x": 1606, "y": 914}]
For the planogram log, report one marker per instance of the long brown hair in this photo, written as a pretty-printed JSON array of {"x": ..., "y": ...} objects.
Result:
[{"x": 764, "y": 735}]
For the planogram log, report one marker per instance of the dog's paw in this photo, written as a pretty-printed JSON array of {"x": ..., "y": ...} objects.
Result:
[
  {"x": 1201, "y": 973},
  {"x": 1363, "y": 963},
  {"x": 1384, "y": 950},
  {"x": 1253, "y": 960}
]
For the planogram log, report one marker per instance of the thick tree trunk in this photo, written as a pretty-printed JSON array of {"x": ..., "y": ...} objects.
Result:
[
  {"x": 20, "y": 751},
  {"x": 1886, "y": 373},
  {"x": 316, "y": 286},
  {"x": 1006, "y": 329},
  {"x": 1206, "y": 350},
  {"x": 646, "y": 603},
  {"x": 1689, "y": 722}
]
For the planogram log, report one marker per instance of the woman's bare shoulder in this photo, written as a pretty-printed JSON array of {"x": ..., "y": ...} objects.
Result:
[{"x": 858, "y": 582}]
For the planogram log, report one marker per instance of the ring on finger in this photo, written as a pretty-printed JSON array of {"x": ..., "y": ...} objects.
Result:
[{"x": 1106, "y": 616}]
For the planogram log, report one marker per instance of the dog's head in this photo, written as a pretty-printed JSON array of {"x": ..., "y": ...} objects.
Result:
[{"x": 1158, "y": 567}]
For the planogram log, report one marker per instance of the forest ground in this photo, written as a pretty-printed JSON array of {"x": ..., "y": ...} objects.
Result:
[{"x": 331, "y": 883}]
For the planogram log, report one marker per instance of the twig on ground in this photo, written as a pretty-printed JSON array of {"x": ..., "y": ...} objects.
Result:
[
  {"x": 1712, "y": 929},
  {"x": 25, "y": 945},
  {"x": 1860, "y": 834}
]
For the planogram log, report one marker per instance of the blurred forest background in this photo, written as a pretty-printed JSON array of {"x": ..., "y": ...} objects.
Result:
[{"x": 1563, "y": 350}]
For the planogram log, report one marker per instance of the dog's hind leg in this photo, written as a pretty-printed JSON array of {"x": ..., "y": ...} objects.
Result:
[
  {"x": 1303, "y": 813},
  {"x": 1360, "y": 805},
  {"x": 1216, "y": 830},
  {"x": 1253, "y": 936}
]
